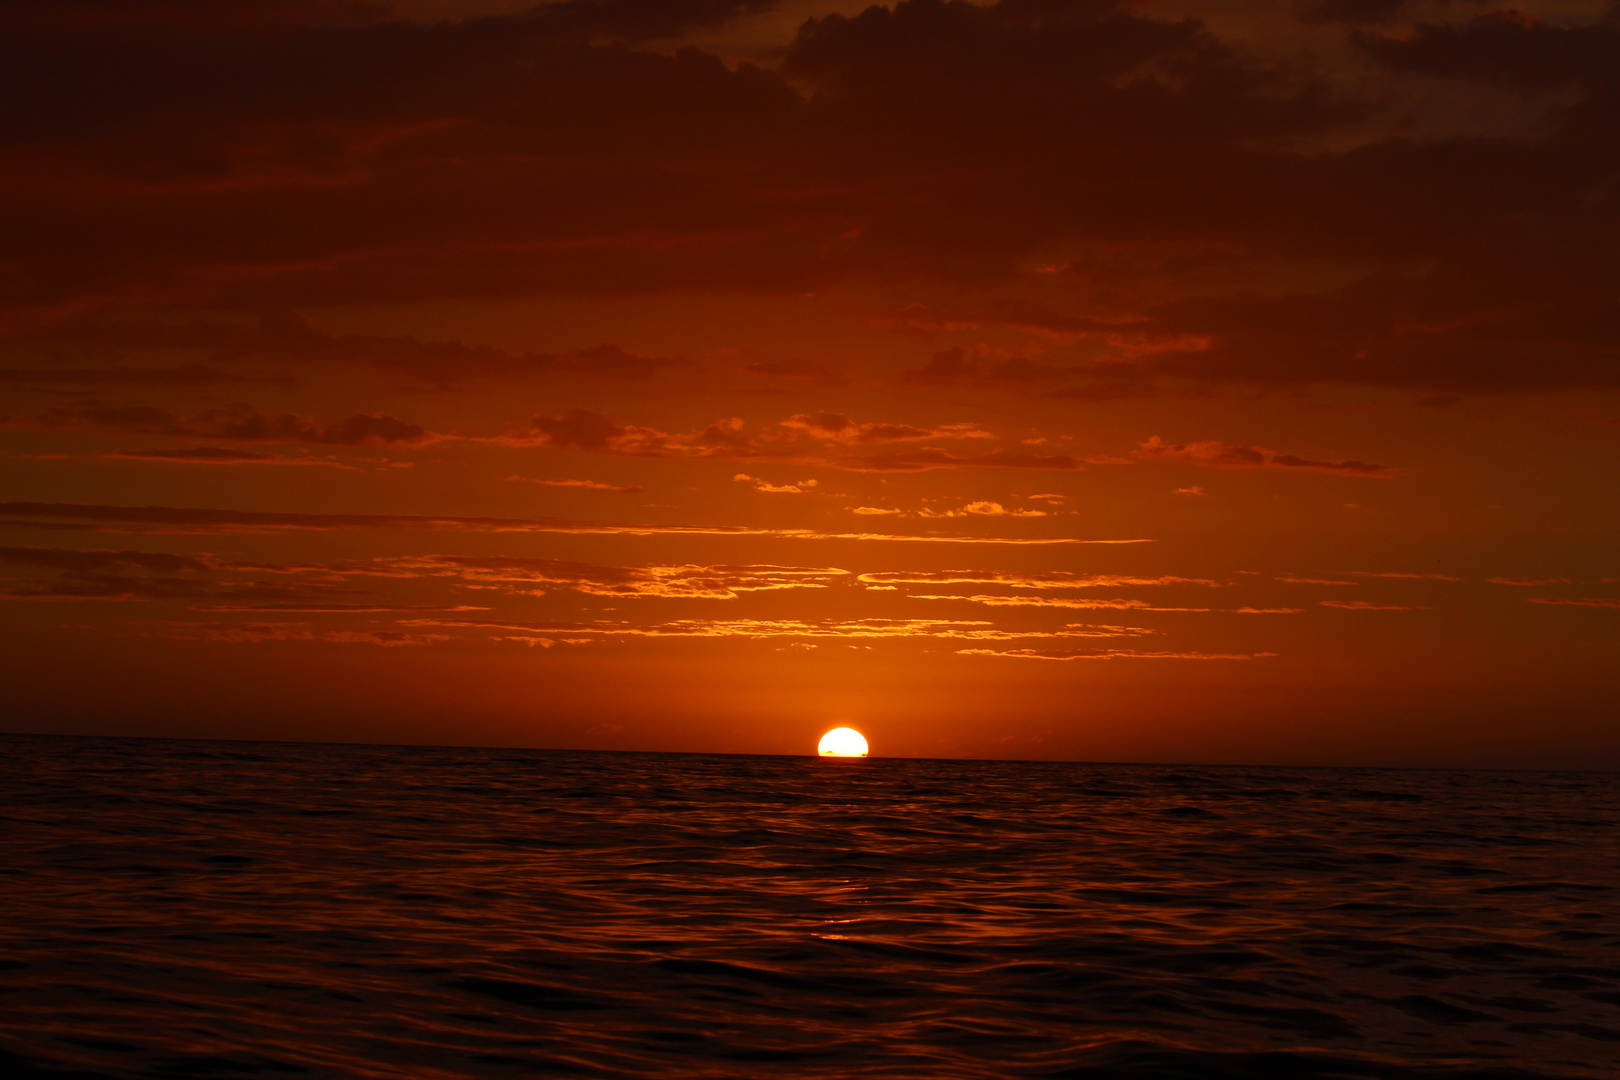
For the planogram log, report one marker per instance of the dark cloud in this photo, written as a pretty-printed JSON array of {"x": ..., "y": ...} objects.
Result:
[
  {"x": 1220, "y": 455},
  {"x": 1585, "y": 601},
  {"x": 1054, "y": 579},
  {"x": 931, "y": 458},
  {"x": 283, "y": 337},
  {"x": 97, "y": 561},
  {"x": 238, "y": 421},
  {"x": 685, "y": 582},
  {"x": 185, "y": 375},
  {"x": 1506, "y": 47},
  {"x": 168, "y": 519},
  {"x": 578, "y": 427},
  {"x": 796, "y": 370},
  {"x": 1148, "y": 169},
  {"x": 824, "y": 438},
  {"x": 253, "y": 596},
  {"x": 214, "y": 455}
]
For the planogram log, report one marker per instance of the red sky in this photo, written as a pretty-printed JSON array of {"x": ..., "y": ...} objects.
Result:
[{"x": 1226, "y": 382}]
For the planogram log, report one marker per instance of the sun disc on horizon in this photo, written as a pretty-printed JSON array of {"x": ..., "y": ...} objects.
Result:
[{"x": 842, "y": 742}]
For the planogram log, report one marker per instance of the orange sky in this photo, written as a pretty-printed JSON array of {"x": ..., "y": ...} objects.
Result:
[{"x": 1225, "y": 382}]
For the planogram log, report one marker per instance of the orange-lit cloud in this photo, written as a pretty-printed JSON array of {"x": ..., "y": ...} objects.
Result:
[
  {"x": 829, "y": 439},
  {"x": 163, "y": 519},
  {"x": 590, "y": 485},
  {"x": 1220, "y": 455},
  {"x": 1059, "y": 602},
  {"x": 690, "y": 582},
  {"x": 726, "y": 628},
  {"x": 1401, "y": 574},
  {"x": 1053, "y": 579},
  {"x": 1587, "y": 601},
  {"x": 1368, "y": 605},
  {"x": 797, "y": 488},
  {"x": 1107, "y": 654}
]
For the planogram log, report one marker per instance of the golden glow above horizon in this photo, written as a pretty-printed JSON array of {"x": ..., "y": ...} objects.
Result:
[{"x": 842, "y": 742}]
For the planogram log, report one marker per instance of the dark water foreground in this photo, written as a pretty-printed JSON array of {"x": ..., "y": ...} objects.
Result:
[{"x": 194, "y": 909}]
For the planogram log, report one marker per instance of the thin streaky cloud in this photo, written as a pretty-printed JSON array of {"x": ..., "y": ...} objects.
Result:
[
  {"x": 1582, "y": 601},
  {"x": 1107, "y": 654},
  {"x": 1398, "y": 574},
  {"x": 195, "y": 520},
  {"x": 1368, "y": 605},
  {"x": 1059, "y": 602},
  {"x": 959, "y": 629},
  {"x": 591, "y": 485},
  {"x": 1055, "y": 579}
]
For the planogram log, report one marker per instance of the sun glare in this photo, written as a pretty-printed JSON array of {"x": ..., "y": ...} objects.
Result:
[{"x": 842, "y": 742}]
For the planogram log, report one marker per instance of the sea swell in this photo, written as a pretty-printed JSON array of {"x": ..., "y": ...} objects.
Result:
[{"x": 197, "y": 909}]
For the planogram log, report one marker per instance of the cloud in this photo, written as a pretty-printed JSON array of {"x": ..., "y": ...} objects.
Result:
[
  {"x": 794, "y": 370},
  {"x": 238, "y": 633},
  {"x": 249, "y": 596},
  {"x": 580, "y": 428},
  {"x": 748, "y": 628},
  {"x": 184, "y": 375},
  {"x": 237, "y": 421},
  {"x": 931, "y": 458},
  {"x": 389, "y": 639},
  {"x": 87, "y": 576},
  {"x": 1260, "y": 221},
  {"x": 1071, "y": 630},
  {"x": 591, "y": 485},
  {"x": 1367, "y": 605},
  {"x": 219, "y": 455},
  {"x": 1058, "y": 602},
  {"x": 995, "y": 509},
  {"x": 1107, "y": 654},
  {"x": 85, "y": 562},
  {"x": 798, "y": 488},
  {"x": 232, "y": 632},
  {"x": 1506, "y": 47},
  {"x": 831, "y": 425},
  {"x": 178, "y": 520},
  {"x": 946, "y": 629},
  {"x": 1053, "y": 579},
  {"x": 1605, "y": 602},
  {"x": 980, "y": 508},
  {"x": 686, "y": 582},
  {"x": 1529, "y": 581},
  {"x": 281, "y": 336},
  {"x": 1219, "y": 455},
  {"x": 337, "y": 609},
  {"x": 1400, "y": 574},
  {"x": 830, "y": 439}
]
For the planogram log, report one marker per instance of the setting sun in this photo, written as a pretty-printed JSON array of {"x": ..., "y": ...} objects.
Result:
[{"x": 842, "y": 742}]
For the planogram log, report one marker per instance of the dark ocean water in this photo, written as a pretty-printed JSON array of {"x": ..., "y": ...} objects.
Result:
[{"x": 197, "y": 909}]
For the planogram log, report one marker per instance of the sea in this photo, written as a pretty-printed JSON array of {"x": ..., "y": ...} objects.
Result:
[{"x": 189, "y": 909}]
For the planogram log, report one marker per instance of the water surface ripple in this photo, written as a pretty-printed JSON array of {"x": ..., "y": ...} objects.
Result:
[{"x": 205, "y": 909}]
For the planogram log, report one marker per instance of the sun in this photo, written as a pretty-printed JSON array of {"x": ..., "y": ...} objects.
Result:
[{"x": 842, "y": 742}]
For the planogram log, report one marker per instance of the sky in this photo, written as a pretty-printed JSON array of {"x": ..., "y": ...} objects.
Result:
[{"x": 1227, "y": 382}]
